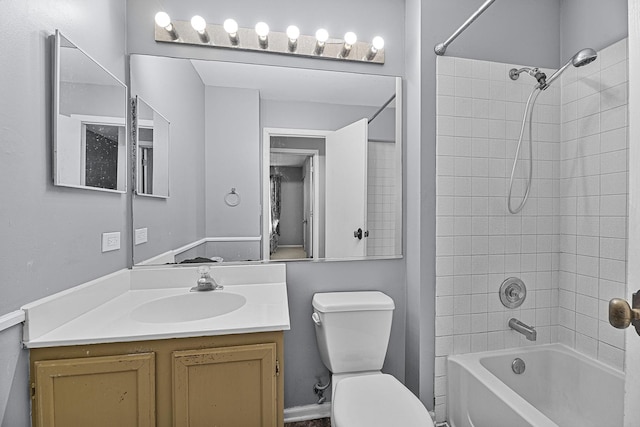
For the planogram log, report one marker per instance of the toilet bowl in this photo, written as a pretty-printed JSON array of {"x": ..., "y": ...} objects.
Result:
[{"x": 352, "y": 330}]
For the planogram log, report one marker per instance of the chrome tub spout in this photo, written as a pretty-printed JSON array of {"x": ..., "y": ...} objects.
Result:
[{"x": 528, "y": 331}]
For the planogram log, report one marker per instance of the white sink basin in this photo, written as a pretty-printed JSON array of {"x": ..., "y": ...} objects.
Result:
[{"x": 188, "y": 307}]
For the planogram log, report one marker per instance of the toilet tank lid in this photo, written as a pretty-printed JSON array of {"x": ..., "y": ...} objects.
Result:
[{"x": 351, "y": 301}]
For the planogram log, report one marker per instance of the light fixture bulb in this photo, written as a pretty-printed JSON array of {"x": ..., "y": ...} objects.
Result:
[
  {"x": 162, "y": 19},
  {"x": 322, "y": 35},
  {"x": 262, "y": 29},
  {"x": 293, "y": 32},
  {"x": 198, "y": 23},
  {"x": 230, "y": 26},
  {"x": 378, "y": 43},
  {"x": 350, "y": 38}
]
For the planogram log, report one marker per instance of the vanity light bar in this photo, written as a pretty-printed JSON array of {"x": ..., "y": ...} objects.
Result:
[{"x": 199, "y": 33}]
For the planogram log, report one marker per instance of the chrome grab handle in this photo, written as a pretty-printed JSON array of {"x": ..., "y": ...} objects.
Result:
[{"x": 621, "y": 315}]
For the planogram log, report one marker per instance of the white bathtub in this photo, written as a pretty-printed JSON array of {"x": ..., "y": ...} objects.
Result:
[{"x": 559, "y": 387}]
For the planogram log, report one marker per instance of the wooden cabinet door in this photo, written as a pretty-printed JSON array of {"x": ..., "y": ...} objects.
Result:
[
  {"x": 225, "y": 387},
  {"x": 95, "y": 391}
]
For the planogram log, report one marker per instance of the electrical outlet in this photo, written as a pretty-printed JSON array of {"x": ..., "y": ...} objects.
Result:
[
  {"x": 110, "y": 241},
  {"x": 141, "y": 235}
]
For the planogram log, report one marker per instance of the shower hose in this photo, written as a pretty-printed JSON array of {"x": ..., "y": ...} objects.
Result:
[{"x": 531, "y": 101}]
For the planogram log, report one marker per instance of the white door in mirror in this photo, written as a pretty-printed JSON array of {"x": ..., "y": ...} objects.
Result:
[{"x": 346, "y": 191}]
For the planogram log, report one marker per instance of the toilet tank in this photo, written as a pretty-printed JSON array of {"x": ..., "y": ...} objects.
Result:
[{"x": 352, "y": 329}]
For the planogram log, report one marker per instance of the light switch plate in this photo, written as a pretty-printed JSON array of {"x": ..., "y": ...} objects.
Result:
[
  {"x": 141, "y": 235},
  {"x": 110, "y": 241}
]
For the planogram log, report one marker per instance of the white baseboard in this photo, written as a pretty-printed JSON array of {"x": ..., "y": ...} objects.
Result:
[{"x": 307, "y": 412}]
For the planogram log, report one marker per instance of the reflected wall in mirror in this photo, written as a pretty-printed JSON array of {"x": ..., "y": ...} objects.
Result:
[
  {"x": 90, "y": 129},
  {"x": 266, "y": 133},
  {"x": 152, "y": 151}
]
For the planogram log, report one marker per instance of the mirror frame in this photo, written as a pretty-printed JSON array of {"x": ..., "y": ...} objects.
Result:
[
  {"x": 399, "y": 161},
  {"x": 268, "y": 132},
  {"x": 56, "y": 112}
]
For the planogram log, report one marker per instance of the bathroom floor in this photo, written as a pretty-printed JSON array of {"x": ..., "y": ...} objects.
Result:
[
  {"x": 323, "y": 422},
  {"x": 289, "y": 252}
]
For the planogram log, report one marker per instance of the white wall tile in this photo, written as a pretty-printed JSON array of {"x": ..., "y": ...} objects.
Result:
[{"x": 569, "y": 242}]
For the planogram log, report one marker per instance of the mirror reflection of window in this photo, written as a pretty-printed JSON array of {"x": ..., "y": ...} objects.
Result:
[{"x": 100, "y": 145}]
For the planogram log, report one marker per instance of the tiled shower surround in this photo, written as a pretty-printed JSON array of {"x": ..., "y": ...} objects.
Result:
[{"x": 569, "y": 242}]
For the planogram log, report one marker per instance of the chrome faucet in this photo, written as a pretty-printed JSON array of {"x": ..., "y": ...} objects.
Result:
[
  {"x": 206, "y": 282},
  {"x": 528, "y": 331}
]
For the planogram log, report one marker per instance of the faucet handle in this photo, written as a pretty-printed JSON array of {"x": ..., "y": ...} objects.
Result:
[{"x": 203, "y": 270}]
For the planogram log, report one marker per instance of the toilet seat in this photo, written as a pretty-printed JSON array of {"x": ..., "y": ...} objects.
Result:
[{"x": 377, "y": 400}]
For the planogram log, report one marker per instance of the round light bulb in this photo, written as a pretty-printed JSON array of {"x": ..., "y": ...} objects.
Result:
[
  {"x": 293, "y": 32},
  {"x": 198, "y": 23},
  {"x": 350, "y": 38},
  {"x": 162, "y": 19},
  {"x": 262, "y": 29},
  {"x": 378, "y": 43},
  {"x": 230, "y": 26},
  {"x": 322, "y": 35}
]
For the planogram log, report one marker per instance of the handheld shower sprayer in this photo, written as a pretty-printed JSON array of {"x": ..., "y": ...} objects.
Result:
[{"x": 583, "y": 57}]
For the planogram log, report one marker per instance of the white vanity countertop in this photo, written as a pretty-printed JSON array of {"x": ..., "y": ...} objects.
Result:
[{"x": 266, "y": 309}]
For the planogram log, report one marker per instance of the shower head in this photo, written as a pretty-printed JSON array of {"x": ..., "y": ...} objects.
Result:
[{"x": 583, "y": 57}]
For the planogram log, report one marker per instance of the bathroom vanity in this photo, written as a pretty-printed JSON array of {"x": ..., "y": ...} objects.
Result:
[{"x": 126, "y": 350}]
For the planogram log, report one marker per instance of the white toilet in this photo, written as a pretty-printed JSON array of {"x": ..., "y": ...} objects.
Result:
[{"x": 352, "y": 329}]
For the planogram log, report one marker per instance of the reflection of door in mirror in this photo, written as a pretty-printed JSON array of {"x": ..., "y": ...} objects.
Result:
[
  {"x": 324, "y": 224},
  {"x": 346, "y": 229},
  {"x": 292, "y": 200}
]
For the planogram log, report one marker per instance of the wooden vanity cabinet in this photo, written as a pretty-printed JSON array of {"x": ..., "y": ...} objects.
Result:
[{"x": 223, "y": 381}]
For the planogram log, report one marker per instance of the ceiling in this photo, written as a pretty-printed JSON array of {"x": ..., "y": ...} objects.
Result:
[{"x": 298, "y": 84}]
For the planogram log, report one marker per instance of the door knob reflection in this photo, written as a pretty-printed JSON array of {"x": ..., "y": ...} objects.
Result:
[{"x": 621, "y": 315}]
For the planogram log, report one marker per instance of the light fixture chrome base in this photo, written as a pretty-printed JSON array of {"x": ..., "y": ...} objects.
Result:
[{"x": 279, "y": 43}]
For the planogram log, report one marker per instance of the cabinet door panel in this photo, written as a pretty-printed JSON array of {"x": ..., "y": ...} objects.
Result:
[
  {"x": 96, "y": 391},
  {"x": 225, "y": 387}
]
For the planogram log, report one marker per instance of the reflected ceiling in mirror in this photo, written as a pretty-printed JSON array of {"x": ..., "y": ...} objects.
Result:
[
  {"x": 90, "y": 129},
  {"x": 228, "y": 121}
]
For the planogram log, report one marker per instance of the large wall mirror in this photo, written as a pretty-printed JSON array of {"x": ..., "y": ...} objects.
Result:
[
  {"x": 90, "y": 129},
  {"x": 272, "y": 163}
]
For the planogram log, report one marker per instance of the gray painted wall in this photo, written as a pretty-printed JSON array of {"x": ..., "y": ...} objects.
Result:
[
  {"x": 178, "y": 220},
  {"x": 590, "y": 23},
  {"x": 233, "y": 157},
  {"x": 51, "y": 236}
]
